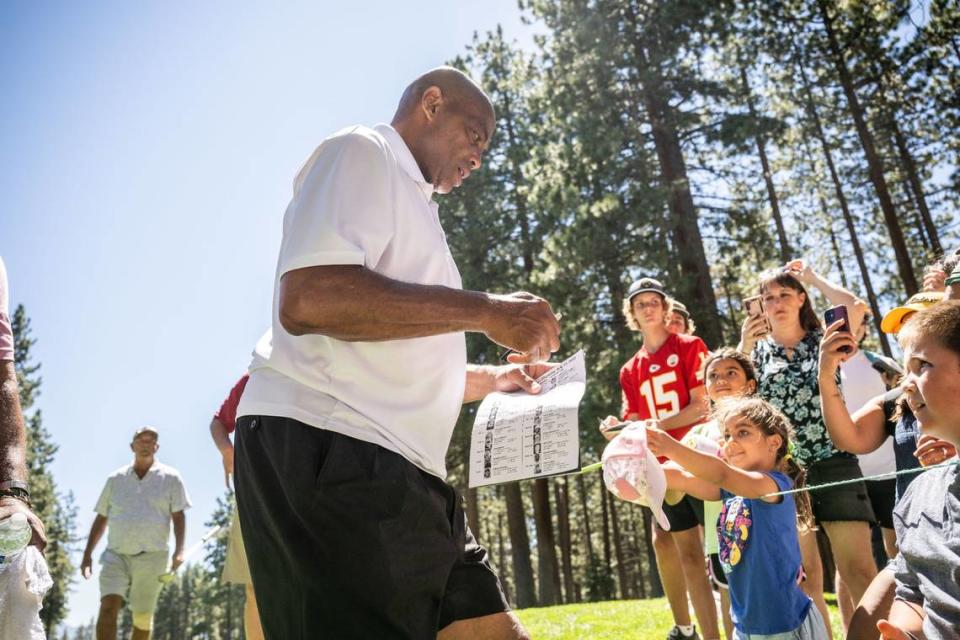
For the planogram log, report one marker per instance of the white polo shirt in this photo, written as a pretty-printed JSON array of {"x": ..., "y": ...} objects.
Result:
[
  {"x": 138, "y": 509},
  {"x": 361, "y": 199}
]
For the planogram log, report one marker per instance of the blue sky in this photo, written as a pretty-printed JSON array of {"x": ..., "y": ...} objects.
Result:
[{"x": 147, "y": 152}]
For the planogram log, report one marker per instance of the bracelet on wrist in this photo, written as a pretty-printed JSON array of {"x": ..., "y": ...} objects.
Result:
[{"x": 17, "y": 494}]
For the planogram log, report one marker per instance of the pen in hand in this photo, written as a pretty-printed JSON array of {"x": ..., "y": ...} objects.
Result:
[{"x": 506, "y": 352}]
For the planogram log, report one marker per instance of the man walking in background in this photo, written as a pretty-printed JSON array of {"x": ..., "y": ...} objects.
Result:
[{"x": 138, "y": 504}]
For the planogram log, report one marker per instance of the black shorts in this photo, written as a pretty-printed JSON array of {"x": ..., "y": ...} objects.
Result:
[
  {"x": 715, "y": 568},
  {"x": 346, "y": 539},
  {"x": 883, "y": 497},
  {"x": 844, "y": 503},
  {"x": 685, "y": 515}
]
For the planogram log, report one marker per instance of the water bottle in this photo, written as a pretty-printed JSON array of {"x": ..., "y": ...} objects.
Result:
[{"x": 15, "y": 534}]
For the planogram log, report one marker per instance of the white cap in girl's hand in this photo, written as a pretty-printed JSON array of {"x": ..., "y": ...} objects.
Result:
[{"x": 632, "y": 473}]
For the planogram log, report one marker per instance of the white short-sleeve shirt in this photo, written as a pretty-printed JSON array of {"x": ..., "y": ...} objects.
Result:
[
  {"x": 361, "y": 199},
  {"x": 138, "y": 509},
  {"x": 861, "y": 383}
]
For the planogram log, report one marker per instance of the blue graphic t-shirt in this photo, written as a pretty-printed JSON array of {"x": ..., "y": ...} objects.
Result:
[{"x": 760, "y": 554}]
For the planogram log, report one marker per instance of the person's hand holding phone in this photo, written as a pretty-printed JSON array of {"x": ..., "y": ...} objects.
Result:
[
  {"x": 755, "y": 325},
  {"x": 837, "y": 346},
  {"x": 838, "y": 315}
]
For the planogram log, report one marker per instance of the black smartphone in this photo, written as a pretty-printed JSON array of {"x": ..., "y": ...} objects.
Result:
[{"x": 833, "y": 314}]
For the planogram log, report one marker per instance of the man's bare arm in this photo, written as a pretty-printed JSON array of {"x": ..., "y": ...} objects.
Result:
[
  {"x": 13, "y": 464},
  {"x": 353, "y": 303},
  {"x": 179, "y": 532},
  {"x": 96, "y": 532}
]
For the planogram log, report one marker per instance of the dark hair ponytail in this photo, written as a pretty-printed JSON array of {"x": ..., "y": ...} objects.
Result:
[{"x": 790, "y": 467}]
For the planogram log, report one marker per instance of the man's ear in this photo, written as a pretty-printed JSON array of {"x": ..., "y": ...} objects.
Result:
[{"x": 430, "y": 102}]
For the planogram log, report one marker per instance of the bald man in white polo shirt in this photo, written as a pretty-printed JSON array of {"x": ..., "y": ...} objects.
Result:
[{"x": 344, "y": 426}]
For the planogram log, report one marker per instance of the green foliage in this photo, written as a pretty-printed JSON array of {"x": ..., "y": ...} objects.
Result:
[{"x": 55, "y": 509}]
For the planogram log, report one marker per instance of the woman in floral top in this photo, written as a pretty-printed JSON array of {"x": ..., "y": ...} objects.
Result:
[{"x": 786, "y": 359}]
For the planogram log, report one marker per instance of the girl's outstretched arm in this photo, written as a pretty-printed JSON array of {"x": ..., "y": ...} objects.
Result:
[
  {"x": 679, "y": 479},
  {"x": 748, "y": 484}
]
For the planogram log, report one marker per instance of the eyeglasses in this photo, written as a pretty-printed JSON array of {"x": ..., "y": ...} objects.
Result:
[{"x": 653, "y": 304}]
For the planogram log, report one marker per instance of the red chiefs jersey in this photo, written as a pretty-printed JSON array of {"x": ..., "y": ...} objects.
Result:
[
  {"x": 228, "y": 410},
  {"x": 657, "y": 385}
]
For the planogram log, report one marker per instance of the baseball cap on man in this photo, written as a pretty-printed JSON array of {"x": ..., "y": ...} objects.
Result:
[
  {"x": 632, "y": 473},
  {"x": 644, "y": 285},
  {"x": 146, "y": 429},
  {"x": 893, "y": 321}
]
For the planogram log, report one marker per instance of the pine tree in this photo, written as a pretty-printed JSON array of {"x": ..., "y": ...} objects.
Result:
[{"x": 55, "y": 509}]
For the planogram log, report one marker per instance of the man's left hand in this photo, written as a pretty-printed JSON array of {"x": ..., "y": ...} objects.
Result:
[
  {"x": 521, "y": 377},
  {"x": 176, "y": 560},
  {"x": 9, "y": 506}
]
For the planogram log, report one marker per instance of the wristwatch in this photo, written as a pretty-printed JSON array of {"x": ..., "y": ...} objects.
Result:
[
  {"x": 16, "y": 489},
  {"x": 954, "y": 277}
]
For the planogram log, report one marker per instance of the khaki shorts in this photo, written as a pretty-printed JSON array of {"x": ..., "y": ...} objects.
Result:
[
  {"x": 135, "y": 578},
  {"x": 235, "y": 567}
]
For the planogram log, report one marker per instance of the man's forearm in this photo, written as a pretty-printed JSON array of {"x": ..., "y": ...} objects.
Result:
[
  {"x": 353, "y": 303},
  {"x": 13, "y": 465},
  {"x": 96, "y": 532},
  {"x": 179, "y": 530}
]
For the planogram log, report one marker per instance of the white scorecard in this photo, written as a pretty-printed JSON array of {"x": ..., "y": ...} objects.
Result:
[{"x": 518, "y": 436}]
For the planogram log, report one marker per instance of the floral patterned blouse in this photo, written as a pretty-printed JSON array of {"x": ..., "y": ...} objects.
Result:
[{"x": 792, "y": 386}]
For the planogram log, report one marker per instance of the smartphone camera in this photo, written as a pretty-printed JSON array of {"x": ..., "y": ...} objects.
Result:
[{"x": 833, "y": 314}]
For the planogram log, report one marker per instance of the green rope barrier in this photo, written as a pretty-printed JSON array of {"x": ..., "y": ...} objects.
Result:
[{"x": 596, "y": 466}]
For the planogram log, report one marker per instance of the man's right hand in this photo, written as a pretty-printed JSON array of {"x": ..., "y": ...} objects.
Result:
[
  {"x": 86, "y": 566},
  {"x": 525, "y": 323}
]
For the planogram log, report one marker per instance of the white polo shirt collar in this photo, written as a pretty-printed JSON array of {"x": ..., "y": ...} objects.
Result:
[{"x": 405, "y": 157}]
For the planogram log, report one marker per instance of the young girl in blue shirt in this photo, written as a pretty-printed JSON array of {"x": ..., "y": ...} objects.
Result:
[{"x": 759, "y": 548}]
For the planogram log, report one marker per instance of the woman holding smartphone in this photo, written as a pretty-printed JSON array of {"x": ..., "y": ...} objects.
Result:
[{"x": 786, "y": 359}]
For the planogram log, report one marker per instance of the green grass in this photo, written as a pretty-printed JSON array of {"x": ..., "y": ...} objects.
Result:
[{"x": 615, "y": 620}]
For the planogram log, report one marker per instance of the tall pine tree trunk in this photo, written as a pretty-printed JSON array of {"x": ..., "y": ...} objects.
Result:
[
  {"x": 618, "y": 551},
  {"x": 587, "y": 535},
  {"x": 874, "y": 164},
  {"x": 786, "y": 252},
  {"x": 549, "y": 574},
  {"x": 605, "y": 513},
  {"x": 519, "y": 546},
  {"x": 695, "y": 285},
  {"x": 814, "y": 116},
  {"x": 501, "y": 555},
  {"x": 656, "y": 587},
  {"x": 916, "y": 186},
  {"x": 561, "y": 496}
]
